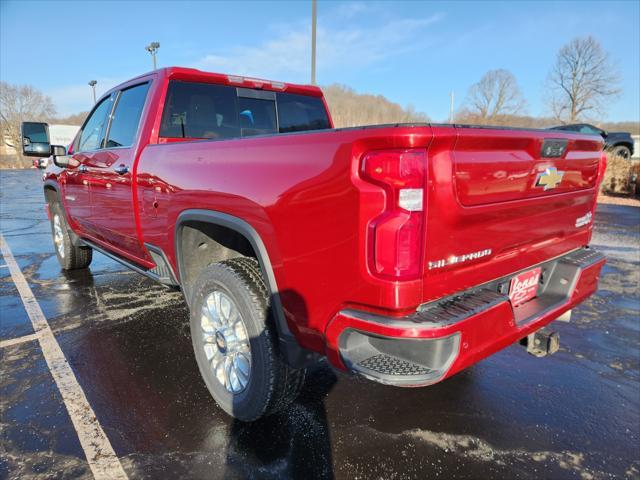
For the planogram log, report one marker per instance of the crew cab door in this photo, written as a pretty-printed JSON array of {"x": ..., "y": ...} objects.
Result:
[
  {"x": 77, "y": 179},
  {"x": 112, "y": 175}
]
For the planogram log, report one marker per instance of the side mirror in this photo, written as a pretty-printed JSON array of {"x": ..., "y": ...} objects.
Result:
[
  {"x": 59, "y": 156},
  {"x": 35, "y": 139},
  {"x": 604, "y": 133}
]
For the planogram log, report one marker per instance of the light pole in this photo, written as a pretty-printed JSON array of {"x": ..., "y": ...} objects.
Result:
[
  {"x": 92, "y": 84},
  {"x": 152, "y": 48},
  {"x": 451, "y": 107},
  {"x": 313, "y": 42}
]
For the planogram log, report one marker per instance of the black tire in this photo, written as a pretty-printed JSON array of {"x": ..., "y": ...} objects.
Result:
[
  {"x": 69, "y": 256},
  {"x": 272, "y": 385},
  {"x": 621, "y": 151}
]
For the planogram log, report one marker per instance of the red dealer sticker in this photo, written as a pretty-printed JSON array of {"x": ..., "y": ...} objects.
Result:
[{"x": 524, "y": 286}]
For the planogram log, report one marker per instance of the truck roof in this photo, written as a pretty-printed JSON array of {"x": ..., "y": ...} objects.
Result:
[{"x": 195, "y": 75}]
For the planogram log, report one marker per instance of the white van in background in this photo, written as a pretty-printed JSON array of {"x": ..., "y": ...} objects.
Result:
[
  {"x": 58, "y": 135},
  {"x": 62, "y": 134}
]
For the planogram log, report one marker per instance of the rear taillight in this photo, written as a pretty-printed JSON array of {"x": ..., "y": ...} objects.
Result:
[
  {"x": 395, "y": 237},
  {"x": 602, "y": 167}
]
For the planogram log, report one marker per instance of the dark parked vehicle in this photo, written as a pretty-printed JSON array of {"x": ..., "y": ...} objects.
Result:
[{"x": 618, "y": 143}]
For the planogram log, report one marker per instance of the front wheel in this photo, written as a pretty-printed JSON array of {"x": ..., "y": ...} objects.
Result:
[
  {"x": 235, "y": 342},
  {"x": 69, "y": 256}
]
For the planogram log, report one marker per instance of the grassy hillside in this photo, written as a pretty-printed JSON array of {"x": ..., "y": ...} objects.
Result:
[{"x": 351, "y": 109}]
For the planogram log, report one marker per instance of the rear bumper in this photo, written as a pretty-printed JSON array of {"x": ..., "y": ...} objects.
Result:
[{"x": 448, "y": 335}]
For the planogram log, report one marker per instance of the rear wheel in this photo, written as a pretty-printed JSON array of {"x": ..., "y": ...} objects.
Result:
[
  {"x": 235, "y": 342},
  {"x": 621, "y": 151},
  {"x": 69, "y": 256}
]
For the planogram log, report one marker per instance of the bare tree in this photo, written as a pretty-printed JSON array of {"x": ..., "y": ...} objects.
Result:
[
  {"x": 20, "y": 103},
  {"x": 73, "y": 119},
  {"x": 496, "y": 94},
  {"x": 581, "y": 80}
]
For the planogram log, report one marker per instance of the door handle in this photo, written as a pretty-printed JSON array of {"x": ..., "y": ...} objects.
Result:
[
  {"x": 83, "y": 169},
  {"x": 121, "y": 169}
]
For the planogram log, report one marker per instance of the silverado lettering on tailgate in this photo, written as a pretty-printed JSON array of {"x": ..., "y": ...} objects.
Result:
[{"x": 454, "y": 259}]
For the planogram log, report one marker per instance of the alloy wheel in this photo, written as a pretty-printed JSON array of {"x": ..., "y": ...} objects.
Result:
[
  {"x": 226, "y": 342},
  {"x": 58, "y": 235}
]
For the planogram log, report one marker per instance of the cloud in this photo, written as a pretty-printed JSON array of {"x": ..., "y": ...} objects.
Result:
[
  {"x": 342, "y": 46},
  {"x": 286, "y": 56}
]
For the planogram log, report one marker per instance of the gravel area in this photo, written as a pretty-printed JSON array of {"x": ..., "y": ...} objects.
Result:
[{"x": 609, "y": 200}]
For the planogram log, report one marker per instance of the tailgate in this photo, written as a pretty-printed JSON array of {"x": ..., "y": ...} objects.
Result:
[
  {"x": 502, "y": 165},
  {"x": 500, "y": 201}
]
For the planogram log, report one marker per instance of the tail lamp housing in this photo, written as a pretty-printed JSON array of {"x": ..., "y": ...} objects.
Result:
[
  {"x": 395, "y": 237},
  {"x": 602, "y": 167}
]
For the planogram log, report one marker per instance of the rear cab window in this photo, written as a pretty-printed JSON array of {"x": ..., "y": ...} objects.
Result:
[
  {"x": 256, "y": 112},
  {"x": 297, "y": 113},
  {"x": 199, "y": 110},
  {"x": 210, "y": 111}
]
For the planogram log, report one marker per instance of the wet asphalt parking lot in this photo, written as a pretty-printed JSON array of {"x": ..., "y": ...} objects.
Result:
[{"x": 575, "y": 414}]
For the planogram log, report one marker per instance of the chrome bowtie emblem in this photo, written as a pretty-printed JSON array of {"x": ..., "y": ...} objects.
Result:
[{"x": 550, "y": 178}]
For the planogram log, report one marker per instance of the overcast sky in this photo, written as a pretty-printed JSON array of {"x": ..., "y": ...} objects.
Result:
[{"x": 411, "y": 52}]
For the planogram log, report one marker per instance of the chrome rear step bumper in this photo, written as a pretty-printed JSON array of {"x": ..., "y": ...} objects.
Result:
[{"x": 449, "y": 334}]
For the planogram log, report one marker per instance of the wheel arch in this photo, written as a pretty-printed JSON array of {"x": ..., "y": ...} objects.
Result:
[
  {"x": 622, "y": 144},
  {"x": 52, "y": 193},
  {"x": 295, "y": 355}
]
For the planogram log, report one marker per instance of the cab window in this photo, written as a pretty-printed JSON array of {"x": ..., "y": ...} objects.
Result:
[
  {"x": 93, "y": 131},
  {"x": 257, "y": 116},
  {"x": 200, "y": 110},
  {"x": 589, "y": 130},
  {"x": 297, "y": 113},
  {"x": 126, "y": 117}
]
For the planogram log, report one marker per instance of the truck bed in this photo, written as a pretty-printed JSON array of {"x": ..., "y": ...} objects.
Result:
[{"x": 480, "y": 196}]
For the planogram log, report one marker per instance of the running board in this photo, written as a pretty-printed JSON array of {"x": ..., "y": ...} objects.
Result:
[{"x": 161, "y": 273}]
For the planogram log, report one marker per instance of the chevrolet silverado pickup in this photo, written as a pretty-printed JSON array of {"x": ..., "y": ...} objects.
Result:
[{"x": 404, "y": 253}]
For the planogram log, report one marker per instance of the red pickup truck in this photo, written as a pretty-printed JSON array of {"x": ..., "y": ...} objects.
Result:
[{"x": 404, "y": 253}]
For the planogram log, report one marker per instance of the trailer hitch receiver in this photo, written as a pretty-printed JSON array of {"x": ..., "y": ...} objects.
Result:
[{"x": 541, "y": 343}]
